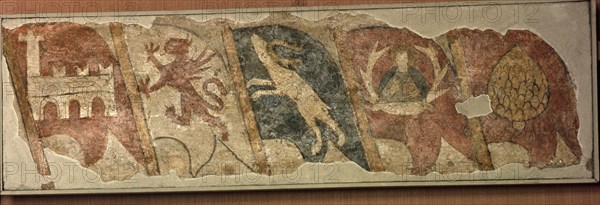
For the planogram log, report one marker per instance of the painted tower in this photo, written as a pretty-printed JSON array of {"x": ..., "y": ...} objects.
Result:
[{"x": 59, "y": 96}]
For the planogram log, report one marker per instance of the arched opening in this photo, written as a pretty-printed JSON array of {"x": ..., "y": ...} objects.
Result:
[
  {"x": 98, "y": 107},
  {"x": 50, "y": 111},
  {"x": 74, "y": 109}
]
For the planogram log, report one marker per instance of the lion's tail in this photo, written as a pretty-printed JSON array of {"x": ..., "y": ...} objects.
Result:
[{"x": 217, "y": 97}]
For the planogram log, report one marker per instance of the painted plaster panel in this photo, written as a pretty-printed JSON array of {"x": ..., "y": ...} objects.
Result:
[{"x": 349, "y": 98}]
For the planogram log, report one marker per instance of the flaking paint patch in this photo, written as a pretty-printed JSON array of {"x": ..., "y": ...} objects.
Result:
[
  {"x": 451, "y": 160},
  {"x": 116, "y": 164},
  {"x": 506, "y": 153}
]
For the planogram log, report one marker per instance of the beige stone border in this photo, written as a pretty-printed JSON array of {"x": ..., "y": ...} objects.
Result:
[{"x": 245, "y": 106}]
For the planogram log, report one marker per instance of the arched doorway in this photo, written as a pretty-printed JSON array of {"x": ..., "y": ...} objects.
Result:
[
  {"x": 74, "y": 109},
  {"x": 98, "y": 107},
  {"x": 50, "y": 111}
]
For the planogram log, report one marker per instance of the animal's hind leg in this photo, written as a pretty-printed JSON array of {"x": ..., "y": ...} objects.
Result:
[
  {"x": 319, "y": 140},
  {"x": 186, "y": 112},
  {"x": 215, "y": 121},
  {"x": 333, "y": 125}
]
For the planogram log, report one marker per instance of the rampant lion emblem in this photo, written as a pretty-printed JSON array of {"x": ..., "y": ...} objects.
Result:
[{"x": 178, "y": 75}]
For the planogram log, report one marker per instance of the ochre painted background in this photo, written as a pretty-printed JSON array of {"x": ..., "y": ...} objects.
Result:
[{"x": 521, "y": 194}]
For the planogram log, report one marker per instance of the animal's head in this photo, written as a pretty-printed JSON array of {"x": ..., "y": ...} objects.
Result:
[
  {"x": 177, "y": 46},
  {"x": 258, "y": 41}
]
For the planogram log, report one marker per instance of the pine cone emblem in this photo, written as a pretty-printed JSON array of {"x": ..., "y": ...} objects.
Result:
[{"x": 518, "y": 88}]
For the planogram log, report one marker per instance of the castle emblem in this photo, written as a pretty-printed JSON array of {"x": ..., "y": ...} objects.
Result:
[{"x": 60, "y": 96}]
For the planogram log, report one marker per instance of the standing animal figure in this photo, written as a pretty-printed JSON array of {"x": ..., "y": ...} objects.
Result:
[
  {"x": 289, "y": 83},
  {"x": 179, "y": 75}
]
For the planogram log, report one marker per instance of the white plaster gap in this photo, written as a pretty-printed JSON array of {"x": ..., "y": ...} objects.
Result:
[{"x": 475, "y": 106}]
